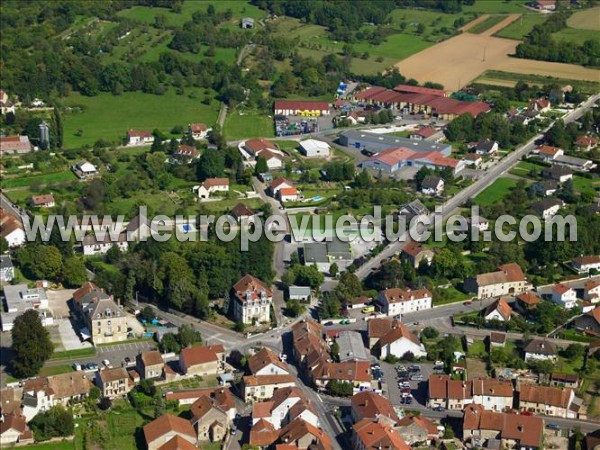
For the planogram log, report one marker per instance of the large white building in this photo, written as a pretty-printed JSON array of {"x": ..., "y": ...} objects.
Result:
[
  {"x": 312, "y": 148},
  {"x": 398, "y": 341},
  {"x": 252, "y": 301},
  {"x": 397, "y": 301},
  {"x": 19, "y": 298}
]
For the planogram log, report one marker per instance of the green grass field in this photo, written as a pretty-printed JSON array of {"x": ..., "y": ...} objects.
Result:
[
  {"x": 250, "y": 124},
  {"x": 487, "y": 24},
  {"x": 42, "y": 179},
  {"x": 495, "y": 192},
  {"x": 239, "y": 9},
  {"x": 576, "y": 36},
  {"x": 495, "y": 7},
  {"x": 586, "y": 185},
  {"x": 523, "y": 168},
  {"x": 521, "y": 27},
  {"x": 108, "y": 117},
  {"x": 586, "y": 19},
  {"x": 55, "y": 370}
]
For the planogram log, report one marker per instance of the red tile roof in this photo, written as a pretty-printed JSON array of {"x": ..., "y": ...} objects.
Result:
[
  {"x": 420, "y": 421},
  {"x": 371, "y": 405},
  {"x": 198, "y": 127},
  {"x": 501, "y": 306},
  {"x": 267, "y": 380},
  {"x": 263, "y": 434},
  {"x": 288, "y": 191},
  {"x": 279, "y": 181},
  {"x": 586, "y": 141},
  {"x": 560, "y": 288},
  {"x": 42, "y": 199},
  {"x": 419, "y": 90},
  {"x": 376, "y": 435},
  {"x": 258, "y": 144},
  {"x": 263, "y": 358},
  {"x": 139, "y": 133},
  {"x": 177, "y": 443},
  {"x": 529, "y": 298},
  {"x": 546, "y": 395},
  {"x": 253, "y": 285},
  {"x": 198, "y": 355},
  {"x": 415, "y": 248},
  {"x": 165, "y": 424},
  {"x": 424, "y": 132},
  {"x": 211, "y": 182}
]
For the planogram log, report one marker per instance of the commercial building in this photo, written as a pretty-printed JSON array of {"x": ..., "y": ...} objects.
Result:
[
  {"x": 363, "y": 140},
  {"x": 20, "y": 298}
]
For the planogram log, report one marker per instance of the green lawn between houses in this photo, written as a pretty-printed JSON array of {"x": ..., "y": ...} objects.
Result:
[
  {"x": 108, "y": 117},
  {"x": 495, "y": 192},
  {"x": 248, "y": 124}
]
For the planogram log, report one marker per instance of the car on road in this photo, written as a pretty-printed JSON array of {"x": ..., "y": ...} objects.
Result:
[
  {"x": 553, "y": 426},
  {"x": 468, "y": 303},
  {"x": 439, "y": 408},
  {"x": 106, "y": 362},
  {"x": 233, "y": 430},
  {"x": 417, "y": 378}
]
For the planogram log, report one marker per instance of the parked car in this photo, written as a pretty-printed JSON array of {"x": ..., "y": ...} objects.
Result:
[
  {"x": 106, "y": 362},
  {"x": 468, "y": 302},
  {"x": 553, "y": 426},
  {"x": 91, "y": 366},
  {"x": 439, "y": 408},
  {"x": 76, "y": 366}
]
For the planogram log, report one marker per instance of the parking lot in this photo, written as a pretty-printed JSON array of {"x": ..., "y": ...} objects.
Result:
[
  {"x": 418, "y": 389},
  {"x": 115, "y": 353}
]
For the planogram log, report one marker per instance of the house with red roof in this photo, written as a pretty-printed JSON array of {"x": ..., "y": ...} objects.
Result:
[
  {"x": 43, "y": 201},
  {"x": 509, "y": 279},
  {"x": 376, "y": 434},
  {"x": 498, "y": 310},
  {"x": 203, "y": 361},
  {"x": 564, "y": 295},
  {"x": 307, "y": 108},
  {"x": 211, "y": 185},
  {"x": 14, "y": 145},
  {"x": 165, "y": 428},
  {"x": 422, "y": 133},
  {"x": 198, "y": 130},
  {"x": 417, "y": 428},
  {"x": 415, "y": 252},
  {"x": 586, "y": 143},
  {"x": 139, "y": 137}
]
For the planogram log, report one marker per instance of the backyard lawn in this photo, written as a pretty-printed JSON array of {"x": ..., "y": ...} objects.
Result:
[
  {"x": 42, "y": 179},
  {"x": 246, "y": 124},
  {"x": 108, "y": 117},
  {"x": 495, "y": 192}
]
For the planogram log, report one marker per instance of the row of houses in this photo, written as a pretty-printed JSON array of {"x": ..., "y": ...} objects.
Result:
[
  {"x": 500, "y": 395},
  {"x": 145, "y": 137}
]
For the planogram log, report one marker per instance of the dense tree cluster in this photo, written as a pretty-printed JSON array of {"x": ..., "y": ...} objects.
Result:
[
  {"x": 56, "y": 422},
  {"x": 31, "y": 344},
  {"x": 466, "y": 128},
  {"x": 447, "y": 6},
  {"x": 539, "y": 44}
]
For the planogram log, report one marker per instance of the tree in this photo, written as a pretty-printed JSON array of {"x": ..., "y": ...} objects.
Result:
[
  {"x": 294, "y": 308},
  {"x": 334, "y": 351},
  {"x": 159, "y": 407},
  {"x": 41, "y": 261},
  {"x": 147, "y": 387},
  {"x": 188, "y": 336},
  {"x": 147, "y": 314},
  {"x": 573, "y": 351},
  {"x": 349, "y": 286},
  {"x": 211, "y": 164},
  {"x": 3, "y": 245},
  {"x": 73, "y": 272},
  {"x": 340, "y": 388},
  {"x": 333, "y": 269},
  {"x": 31, "y": 344},
  {"x": 169, "y": 344},
  {"x": 55, "y": 422},
  {"x": 430, "y": 332},
  {"x": 261, "y": 166}
]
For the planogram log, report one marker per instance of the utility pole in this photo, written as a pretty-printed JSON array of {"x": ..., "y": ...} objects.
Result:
[{"x": 484, "y": 49}]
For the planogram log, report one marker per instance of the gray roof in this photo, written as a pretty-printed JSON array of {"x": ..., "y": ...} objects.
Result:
[
  {"x": 395, "y": 141},
  {"x": 486, "y": 145},
  {"x": 540, "y": 347},
  {"x": 572, "y": 160},
  {"x": 545, "y": 204},
  {"x": 351, "y": 346},
  {"x": 414, "y": 208},
  {"x": 5, "y": 262},
  {"x": 338, "y": 249},
  {"x": 315, "y": 252},
  {"x": 104, "y": 309},
  {"x": 299, "y": 290},
  {"x": 556, "y": 171},
  {"x": 19, "y": 297},
  {"x": 430, "y": 182}
]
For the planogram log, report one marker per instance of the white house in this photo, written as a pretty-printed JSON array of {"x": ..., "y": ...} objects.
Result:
[
  {"x": 273, "y": 159},
  {"x": 493, "y": 394},
  {"x": 211, "y": 185},
  {"x": 548, "y": 153},
  {"x": 252, "y": 301},
  {"x": 486, "y": 147},
  {"x": 591, "y": 291},
  {"x": 266, "y": 362},
  {"x": 547, "y": 208},
  {"x": 279, "y": 183},
  {"x": 539, "y": 349},
  {"x": 43, "y": 201},
  {"x": 198, "y": 130},
  {"x": 11, "y": 229},
  {"x": 84, "y": 169},
  {"x": 498, "y": 310},
  {"x": 313, "y": 148},
  {"x": 288, "y": 194},
  {"x": 584, "y": 264},
  {"x": 91, "y": 245},
  {"x": 564, "y": 296},
  {"x": 397, "y": 301},
  {"x": 432, "y": 185},
  {"x": 139, "y": 137},
  {"x": 399, "y": 341},
  {"x": 473, "y": 159}
]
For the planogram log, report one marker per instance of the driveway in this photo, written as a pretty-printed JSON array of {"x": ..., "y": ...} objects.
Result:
[{"x": 58, "y": 302}]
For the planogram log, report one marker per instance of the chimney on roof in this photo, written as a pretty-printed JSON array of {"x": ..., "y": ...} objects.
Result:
[{"x": 520, "y": 428}]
